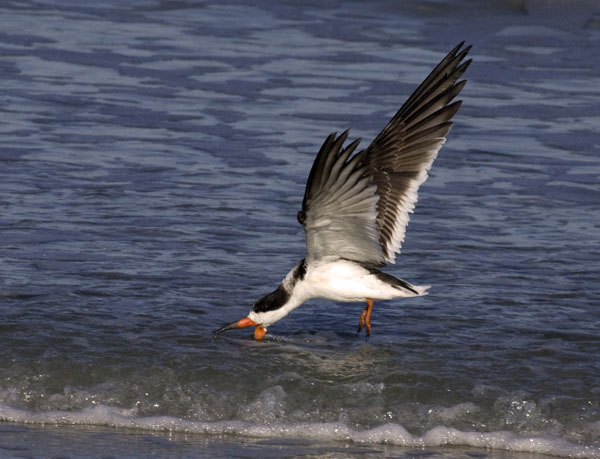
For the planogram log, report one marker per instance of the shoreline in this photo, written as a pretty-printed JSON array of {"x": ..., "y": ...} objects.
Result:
[
  {"x": 125, "y": 425},
  {"x": 97, "y": 441}
]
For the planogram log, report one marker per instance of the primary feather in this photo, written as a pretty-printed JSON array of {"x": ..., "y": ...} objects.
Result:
[{"x": 357, "y": 207}]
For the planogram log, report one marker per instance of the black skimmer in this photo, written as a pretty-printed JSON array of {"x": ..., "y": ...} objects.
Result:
[{"x": 355, "y": 207}]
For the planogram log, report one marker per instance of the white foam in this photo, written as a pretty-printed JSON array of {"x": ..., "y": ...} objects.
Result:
[{"x": 393, "y": 434}]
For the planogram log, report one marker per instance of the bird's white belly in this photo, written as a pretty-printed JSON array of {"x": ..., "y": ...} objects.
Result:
[{"x": 345, "y": 281}]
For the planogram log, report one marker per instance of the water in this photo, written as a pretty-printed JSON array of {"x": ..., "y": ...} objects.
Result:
[{"x": 153, "y": 158}]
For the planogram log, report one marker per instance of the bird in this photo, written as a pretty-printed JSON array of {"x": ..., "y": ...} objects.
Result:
[{"x": 356, "y": 206}]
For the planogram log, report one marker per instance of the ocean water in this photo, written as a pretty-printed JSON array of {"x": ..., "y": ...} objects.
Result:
[{"x": 153, "y": 157}]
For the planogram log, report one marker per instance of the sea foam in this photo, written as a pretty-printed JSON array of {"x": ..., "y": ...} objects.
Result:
[{"x": 390, "y": 433}]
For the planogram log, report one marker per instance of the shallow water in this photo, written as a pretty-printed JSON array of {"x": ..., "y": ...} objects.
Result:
[{"x": 153, "y": 158}]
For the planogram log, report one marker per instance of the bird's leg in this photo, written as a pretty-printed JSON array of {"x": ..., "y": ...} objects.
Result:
[
  {"x": 369, "y": 309},
  {"x": 365, "y": 318}
]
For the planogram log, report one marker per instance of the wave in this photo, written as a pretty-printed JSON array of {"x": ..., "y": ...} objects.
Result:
[{"x": 390, "y": 433}]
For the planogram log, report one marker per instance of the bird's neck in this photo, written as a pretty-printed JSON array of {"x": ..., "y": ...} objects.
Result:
[
  {"x": 283, "y": 299},
  {"x": 295, "y": 275},
  {"x": 292, "y": 286}
]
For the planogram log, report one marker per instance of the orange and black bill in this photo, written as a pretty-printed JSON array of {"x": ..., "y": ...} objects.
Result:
[{"x": 259, "y": 332}]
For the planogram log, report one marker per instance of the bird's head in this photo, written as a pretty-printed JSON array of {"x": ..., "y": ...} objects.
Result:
[{"x": 265, "y": 311}]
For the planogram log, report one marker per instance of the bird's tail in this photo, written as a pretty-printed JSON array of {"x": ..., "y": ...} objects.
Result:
[{"x": 421, "y": 289}]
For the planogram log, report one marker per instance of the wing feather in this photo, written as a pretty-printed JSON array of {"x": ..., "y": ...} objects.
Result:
[
  {"x": 401, "y": 155},
  {"x": 356, "y": 205},
  {"x": 340, "y": 206}
]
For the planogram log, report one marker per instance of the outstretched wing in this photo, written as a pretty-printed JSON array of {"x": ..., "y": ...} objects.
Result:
[
  {"x": 357, "y": 207},
  {"x": 400, "y": 156},
  {"x": 339, "y": 209}
]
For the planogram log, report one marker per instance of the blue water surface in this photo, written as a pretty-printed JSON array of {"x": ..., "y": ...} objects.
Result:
[{"x": 153, "y": 157}]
